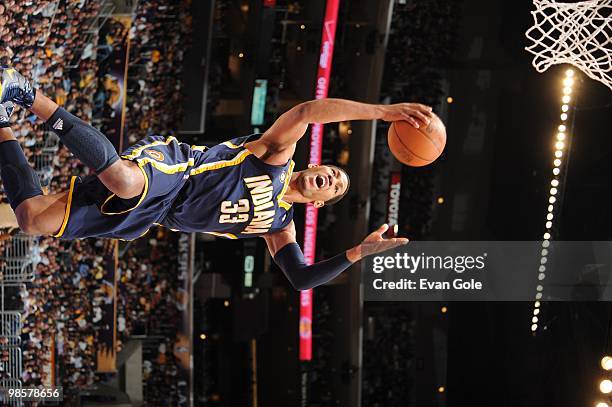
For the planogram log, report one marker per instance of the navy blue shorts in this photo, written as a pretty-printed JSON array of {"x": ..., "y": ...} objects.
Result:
[{"x": 94, "y": 211}]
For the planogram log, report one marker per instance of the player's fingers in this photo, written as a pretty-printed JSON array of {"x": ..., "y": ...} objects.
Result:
[
  {"x": 423, "y": 118},
  {"x": 382, "y": 229},
  {"x": 428, "y": 110},
  {"x": 412, "y": 121}
]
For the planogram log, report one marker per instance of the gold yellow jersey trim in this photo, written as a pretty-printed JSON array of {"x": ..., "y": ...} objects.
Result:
[
  {"x": 240, "y": 157},
  {"x": 226, "y": 235},
  {"x": 68, "y": 206},
  {"x": 166, "y": 168},
  {"x": 142, "y": 195},
  {"x": 281, "y": 203},
  {"x": 198, "y": 148},
  {"x": 138, "y": 151},
  {"x": 232, "y": 145}
]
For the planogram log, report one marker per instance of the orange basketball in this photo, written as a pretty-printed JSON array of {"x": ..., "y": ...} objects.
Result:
[{"x": 417, "y": 147}]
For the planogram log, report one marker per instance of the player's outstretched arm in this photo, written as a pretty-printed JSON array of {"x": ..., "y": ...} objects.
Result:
[
  {"x": 277, "y": 144},
  {"x": 289, "y": 257}
]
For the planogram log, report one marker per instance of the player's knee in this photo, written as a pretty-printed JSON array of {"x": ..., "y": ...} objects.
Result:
[
  {"x": 124, "y": 179},
  {"x": 26, "y": 218}
]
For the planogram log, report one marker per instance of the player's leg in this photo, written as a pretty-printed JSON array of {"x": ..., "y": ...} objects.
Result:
[
  {"x": 91, "y": 147},
  {"x": 35, "y": 212},
  {"x": 43, "y": 214},
  {"x": 122, "y": 177}
]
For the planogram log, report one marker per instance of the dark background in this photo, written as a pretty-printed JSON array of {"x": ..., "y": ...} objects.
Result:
[{"x": 494, "y": 177}]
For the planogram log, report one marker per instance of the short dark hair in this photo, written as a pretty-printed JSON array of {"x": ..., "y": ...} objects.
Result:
[{"x": 348, "y": 185}]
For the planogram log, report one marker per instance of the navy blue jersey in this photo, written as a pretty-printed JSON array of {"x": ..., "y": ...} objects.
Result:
[
  {"x": 232, "y": 193},
  {"x": 224, "y": 190}
]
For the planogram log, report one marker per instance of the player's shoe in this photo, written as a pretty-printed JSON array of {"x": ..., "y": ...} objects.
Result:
[
  {"x": 6, "y": 110},
  {"x": 15, "y": 88}
]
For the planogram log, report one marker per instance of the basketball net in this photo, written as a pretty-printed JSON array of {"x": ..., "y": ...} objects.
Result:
[{"x": 579, "y": 34}]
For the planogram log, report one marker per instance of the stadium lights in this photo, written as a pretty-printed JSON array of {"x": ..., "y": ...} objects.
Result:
[
  {"x": 560, "y": 145},
  {"x": 441, "y": 389},
  {"x": 605, "y": 386},
  {"x": 606, "y": 363}
]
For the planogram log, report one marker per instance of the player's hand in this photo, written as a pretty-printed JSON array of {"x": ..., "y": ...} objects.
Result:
[
  {"x": 414, "y": 113},
  {"x": 375, "y": 243}
]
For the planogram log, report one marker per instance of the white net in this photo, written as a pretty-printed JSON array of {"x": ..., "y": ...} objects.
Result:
[{"x": 574, "y": 33}]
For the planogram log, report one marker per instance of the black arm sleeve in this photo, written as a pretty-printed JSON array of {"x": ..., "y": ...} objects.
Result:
[{"x": 302, "y": 276}]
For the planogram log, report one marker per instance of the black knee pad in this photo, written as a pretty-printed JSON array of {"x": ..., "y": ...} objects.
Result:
[{"x": 20, "y": 183}]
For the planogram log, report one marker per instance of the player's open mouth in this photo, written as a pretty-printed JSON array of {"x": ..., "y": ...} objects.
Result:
[{"x": 320, "y": 181}]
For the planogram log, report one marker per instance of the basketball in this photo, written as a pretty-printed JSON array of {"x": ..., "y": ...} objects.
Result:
[{"x": 417, "y": 147}]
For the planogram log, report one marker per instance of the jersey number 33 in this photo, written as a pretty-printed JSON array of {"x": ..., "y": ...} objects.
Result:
[{"x": 234, "y": 212}]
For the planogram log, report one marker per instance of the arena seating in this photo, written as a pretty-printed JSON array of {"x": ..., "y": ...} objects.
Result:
[
  {"x": 54, "y": 43},
  {"x": 157, "y": 40},
  {"x": 387, "y": 375}
]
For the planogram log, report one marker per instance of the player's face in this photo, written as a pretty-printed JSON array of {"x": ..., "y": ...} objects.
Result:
[{"x": 322, "y": 183}]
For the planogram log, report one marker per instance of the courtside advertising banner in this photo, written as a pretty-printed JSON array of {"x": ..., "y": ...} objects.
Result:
[
  {"x": 316, "y": 147},
  {"x": 393, "y": 203}
]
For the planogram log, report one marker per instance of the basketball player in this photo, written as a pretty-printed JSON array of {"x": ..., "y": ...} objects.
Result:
[{"x": 241, "y": 188}]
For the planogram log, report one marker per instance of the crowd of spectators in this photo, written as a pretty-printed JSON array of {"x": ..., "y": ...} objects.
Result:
[
  {"x": 389, "y": 375},
  {"x": 421, "y": 43},
  {"x": 321, "y": 377},
  {"x": 51, "y": 43},
  {"x": 150, "y": 303},
  {"x": 420, "y": 47},
  {"x": 158, "y": 40},
  {"x": 47, "y": 42},
  {"x": 62, "y": 306}
]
